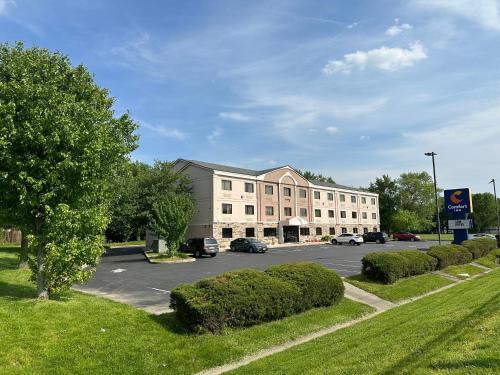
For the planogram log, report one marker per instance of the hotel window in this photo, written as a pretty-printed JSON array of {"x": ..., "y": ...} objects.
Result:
[
  {"x": 344, "y": 230},
  {"x": 354, "y": 215},
  {"x": 249, "y": 210},
  {"x": 288, "y": 211},
  {"x": 227, "y": 185},
  {"x": 330, "y": 196},
  {"x": 248, "y": 187},
  {"x": 365, "y": 230},
  {"x": 250, "y": 232},
  {"x": 332, "y": 231},
  {"x": 364, "y": 215},
  {"x": 227, "y": 232},
  {"x": 302, "y": 193},
  {"x": 374, "y": 201},
  {"x": 303, "y": 212},
  {"x": 374, "y": 229},
  {"x": 304, "y": 231},
  {"x": 269, "y": 210},
  {"x": 343, "y": 214},
  {"x": 342, "y": 197},
  {"x": 227, "y": 208},
  {"x": 317, "y": 213},
  {"x": 353, "y": 199},
  {"x": 331, "y": 213},
  {"x": 318, "y": 231},
  {"x": 287, "y": 192},
  {"x": 363, "y": 200},
  {"x": 355, "y": 230},
  {"x": 269, "y": 189},
  {"x": 374, "y": 216},
  {"x": 269, "y": 232},
  {"x": 317, "y": 195}
]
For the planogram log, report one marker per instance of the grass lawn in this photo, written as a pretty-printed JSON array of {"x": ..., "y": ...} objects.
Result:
[
  {"x": 466, "y": 268},
  {"x": 434, "y": 237},
  {"x": 401, "y": 289},
  {"x": 489, "y": 260},
  {"x": 82, "y": 334},
  {"x": 124, "y": 244},
  {"x": 456, "y": 331}
]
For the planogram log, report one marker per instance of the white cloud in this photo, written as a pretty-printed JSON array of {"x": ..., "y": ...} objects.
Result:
[
  {"x": 397, "y": 28},
  {"x": 484, "y": 12},
  {"x": 164, "y": 132},
  {"x": 364, "y": 138},
  {"x": 214, "y": 135},
  {"x": 332, "y": 130},
  {"x": 4, "y": 5},
  {"x": 352, "y": 25},
  {"x": 235, "y": 116},
  {"x": 383, "y": 58}
]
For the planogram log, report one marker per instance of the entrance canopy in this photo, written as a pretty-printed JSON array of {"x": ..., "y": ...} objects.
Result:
[{"x": 297, "y": 220}]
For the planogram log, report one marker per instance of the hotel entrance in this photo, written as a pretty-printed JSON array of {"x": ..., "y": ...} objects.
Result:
[
  {"x": 291, "y": 233},
  {"x": 289, "y": 229}
]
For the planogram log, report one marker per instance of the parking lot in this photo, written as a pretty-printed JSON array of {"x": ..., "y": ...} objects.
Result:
[{"x": 125, "y": 275}]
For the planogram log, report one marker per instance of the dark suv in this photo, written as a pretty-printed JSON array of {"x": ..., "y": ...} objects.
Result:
[
  {"x": 200, "y": 246},
  {"x": 248, "y": 244},
  {"x": 378, "y": 237}
]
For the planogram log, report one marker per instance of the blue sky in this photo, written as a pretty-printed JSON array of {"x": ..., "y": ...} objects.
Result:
[{"x": 351, "y": 89}]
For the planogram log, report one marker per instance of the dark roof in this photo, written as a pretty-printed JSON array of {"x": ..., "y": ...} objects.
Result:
[{"x": 337, "y": 186}]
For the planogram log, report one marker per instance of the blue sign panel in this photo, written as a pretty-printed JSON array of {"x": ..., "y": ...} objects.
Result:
[{"x": 458, "y": 201}]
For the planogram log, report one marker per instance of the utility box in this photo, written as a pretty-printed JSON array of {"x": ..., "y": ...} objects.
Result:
[{"x": 159, "y": 246}]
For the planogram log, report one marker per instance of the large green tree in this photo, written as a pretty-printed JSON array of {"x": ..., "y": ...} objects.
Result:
[
  {"x": 484, "y": 215},
  {"x": 61, "y": 148},
  {"x": 311, "y": 176},
  {"x": 387, "y": 189}
]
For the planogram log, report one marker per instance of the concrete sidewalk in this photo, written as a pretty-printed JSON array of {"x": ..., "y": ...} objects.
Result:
[{"x": 359, "y": 295}]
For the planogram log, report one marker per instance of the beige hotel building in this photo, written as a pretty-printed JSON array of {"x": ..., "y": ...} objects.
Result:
[{"x": 275, "y": 205}]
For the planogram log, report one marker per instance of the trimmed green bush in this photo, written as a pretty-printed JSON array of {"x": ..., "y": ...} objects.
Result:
[
  {"x": 247, "y": 297},
  {"x": 326, "y": 238},
  {"x": 388, "y": 267},
  {"x": 479, "y": 247},
  {"x": 450, "y": 255},
  {"x": 319, "y": 286}
]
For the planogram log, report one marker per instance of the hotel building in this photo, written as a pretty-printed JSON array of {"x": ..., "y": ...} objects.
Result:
[{"x": 275, "y": 205}]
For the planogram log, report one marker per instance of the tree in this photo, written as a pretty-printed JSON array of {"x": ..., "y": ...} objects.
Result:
[
  {"x": 61, "y": 148},
  {"x": 416, "y": 194},
  {"x": 311, "y": 176},
  {"x": 484, "y": 215},
  {"x": 387, "y": 190},
  {"x": 169, "y": 218},
  {"x": 404, "y": 220}
]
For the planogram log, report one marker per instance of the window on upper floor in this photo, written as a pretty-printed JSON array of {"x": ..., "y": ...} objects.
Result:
[
  {"x": 288, "y": 211},
  {"x": 248, "y": 187},
  {"x": 287, "y": 192},
  {"x": 303, "y": 212},
  {"x": 317, "y": 195},
  {"x": 363, "y": 200},
  {"x": 302, "y": 193},
  {"x": 330, "y": 196},
  {"x": 353, "y": 199},
  {"x": 374, "y": 215},
  {"x": 269, "y": 210},
  {"x": 343, "y": 214},
  {"x": 364, "y": 215},
  {"x": 317, "y": 213},
  {"x": 331, "y": 213},
  {"x": 227, "y": 208},
  {"x": 342, "y": 197},
  {"x": 249, "y": 210},
  {"x": 354, "y": 215},
  {"x": 269, "y": 189},
  {"x": 374, "y": 201},
  {"x": 227, "y": 185}
]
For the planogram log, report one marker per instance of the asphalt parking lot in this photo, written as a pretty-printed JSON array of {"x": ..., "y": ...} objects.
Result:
[{"x": 124, "y": 274}]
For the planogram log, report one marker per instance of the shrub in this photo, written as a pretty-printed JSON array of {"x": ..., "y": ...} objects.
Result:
[
  {"x": 419, "y": 262},
  {"x": 318, "y": 285},
  {"x": 326, "y": 238},
  {"x": 480, "y": 247},
  {"x": 234, "y": 299},
  {"x": 449, "y": 255},
  {"x": 385, "y": 267}
]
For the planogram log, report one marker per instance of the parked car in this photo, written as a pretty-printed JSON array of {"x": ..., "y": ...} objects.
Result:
[
  {"x": 248, "y": 244},
  {"x": 378, "y": 237},
  {"x": 405, "y": 236},
  {"x": 473, "y": 236},
  {"x": 350, "y": 238},
  {"x": 200, "y": 246}
]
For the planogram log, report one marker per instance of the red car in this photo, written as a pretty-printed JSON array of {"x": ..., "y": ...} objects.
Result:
[{"x": 405, "y": 236}]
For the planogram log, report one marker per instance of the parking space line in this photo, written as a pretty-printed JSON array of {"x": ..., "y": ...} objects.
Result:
[{"x": 161, "y": 290}]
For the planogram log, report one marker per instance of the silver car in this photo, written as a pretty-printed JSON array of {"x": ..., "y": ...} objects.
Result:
[{"x": 348, "y": 238}]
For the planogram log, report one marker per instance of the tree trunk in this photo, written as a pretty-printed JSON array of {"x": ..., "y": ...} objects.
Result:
[
  {"x": 23, "y": 256},
  {"x": 41, "y": 289}
]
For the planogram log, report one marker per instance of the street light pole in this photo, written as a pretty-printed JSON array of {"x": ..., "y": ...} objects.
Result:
[
  {"x": 496, "y": 207},
  {"x": 432, "y": 154}
]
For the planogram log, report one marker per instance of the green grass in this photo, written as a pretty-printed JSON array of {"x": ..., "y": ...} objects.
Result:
[
  {"x": 489, "y": 260},
  {"x": 82, "y": 334},
  {"x": 401, "y": 289},
  {"x": 124, "y": 244},
  {"x": 164, "y": 258},
  {"x": 434, "y": 237},
  {"x": 456, "y": 331},
  {"x": 466, "y": 268}
]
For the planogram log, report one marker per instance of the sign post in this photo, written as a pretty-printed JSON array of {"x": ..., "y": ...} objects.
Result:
[{"x": 458, "y": 203}]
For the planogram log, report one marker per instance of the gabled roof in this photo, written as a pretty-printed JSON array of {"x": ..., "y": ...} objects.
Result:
[{"x": 337, "y": 186}]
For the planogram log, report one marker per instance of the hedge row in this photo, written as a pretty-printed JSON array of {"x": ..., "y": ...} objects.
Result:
[
  {"x": 449, "y": 255},
  {"x": 388, "y": 267},
  {"x": 247, "y": 297},
  {"x": 480, "y": 247}
]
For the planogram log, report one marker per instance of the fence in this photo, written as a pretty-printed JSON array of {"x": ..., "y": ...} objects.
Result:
[{"x": 10, "y": 236}]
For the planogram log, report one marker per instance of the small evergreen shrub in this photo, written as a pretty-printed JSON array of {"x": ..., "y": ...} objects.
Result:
[
  {"x": 326, "y": 238},
  {"x": 318, "y": 285},
  {"x": 386, "y": 267},
  {"x": 449, "y": 255}
]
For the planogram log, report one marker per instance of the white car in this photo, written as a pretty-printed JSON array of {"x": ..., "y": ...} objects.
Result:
[
  {"x": 350, "y": 238},
  {"x": 481, "y": 235}
]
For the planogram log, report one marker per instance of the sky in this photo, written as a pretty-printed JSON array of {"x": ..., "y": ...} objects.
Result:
[{"x": 349, "y": 89}]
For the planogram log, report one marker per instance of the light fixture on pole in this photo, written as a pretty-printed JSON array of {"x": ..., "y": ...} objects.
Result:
[
  {"x": 432, "y": 154},
  {"x": 496, "y": 207}
]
